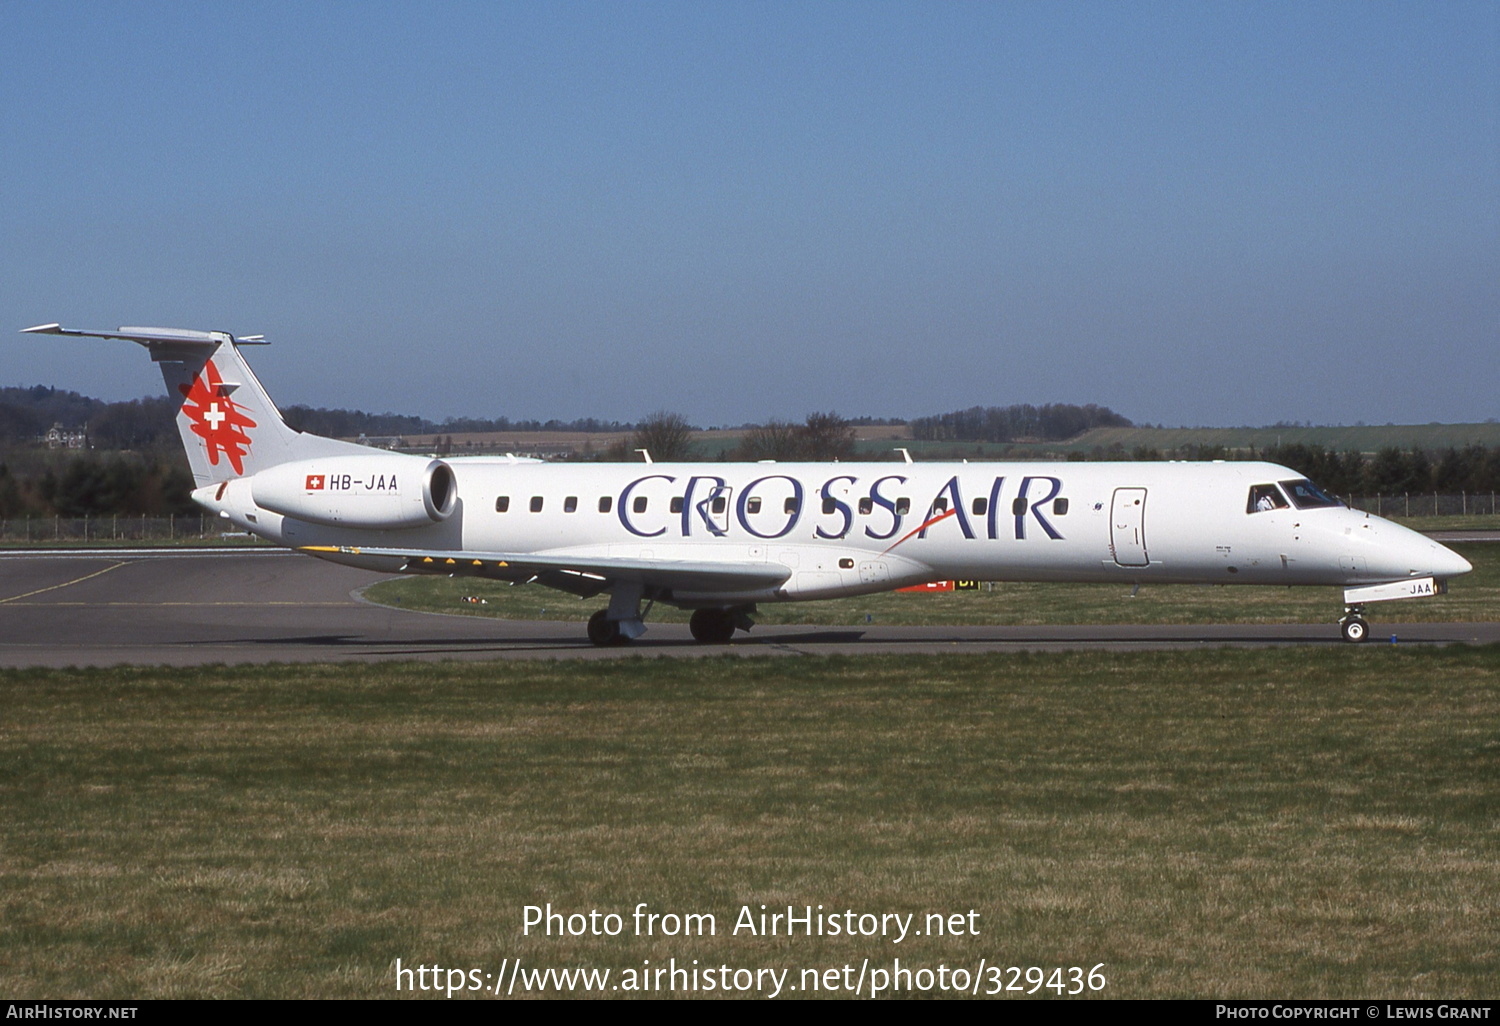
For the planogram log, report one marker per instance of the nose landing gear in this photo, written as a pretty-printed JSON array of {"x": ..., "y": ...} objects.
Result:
[{"x": 1353, "y": 625}]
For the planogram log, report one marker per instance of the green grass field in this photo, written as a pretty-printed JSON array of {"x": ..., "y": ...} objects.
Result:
[
  {"x": 1310, "y": 823},
  {"x": 1473, "y": 597},
  {"x": 1451, "y": 522}
]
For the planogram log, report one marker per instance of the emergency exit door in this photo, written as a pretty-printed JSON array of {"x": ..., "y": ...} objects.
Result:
[
  {"x": 1127, "y": 527},
  {"x": 713, "y": 510}
]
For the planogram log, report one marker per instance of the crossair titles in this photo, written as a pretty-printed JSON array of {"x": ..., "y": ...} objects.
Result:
[{"x": 704, "y": 507}]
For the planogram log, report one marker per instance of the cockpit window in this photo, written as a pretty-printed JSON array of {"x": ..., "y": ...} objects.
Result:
[
  {"x": 1306, "y": 495},
  {"x": 1264, "y": 497}
]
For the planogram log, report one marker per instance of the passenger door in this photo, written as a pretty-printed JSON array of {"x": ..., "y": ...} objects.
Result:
[{"x": 1127, "y": 527}]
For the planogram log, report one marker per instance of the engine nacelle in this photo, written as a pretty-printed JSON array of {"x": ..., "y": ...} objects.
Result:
[{"x": 379, "y": 491}]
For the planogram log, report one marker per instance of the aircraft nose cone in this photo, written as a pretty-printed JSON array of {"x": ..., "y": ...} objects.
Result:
[
  {"x": 1404, "y": 553},
  {"x": 1447, "y": 563}
]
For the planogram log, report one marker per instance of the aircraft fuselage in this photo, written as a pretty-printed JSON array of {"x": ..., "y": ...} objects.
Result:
[{"x": 853, "y": 528}]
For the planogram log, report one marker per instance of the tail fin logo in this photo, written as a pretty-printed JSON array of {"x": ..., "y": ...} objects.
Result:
[{"x": 216, "y": 418}]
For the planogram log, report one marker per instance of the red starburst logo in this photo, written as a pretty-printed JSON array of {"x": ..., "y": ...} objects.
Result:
[{"x": 217, "y": 419}]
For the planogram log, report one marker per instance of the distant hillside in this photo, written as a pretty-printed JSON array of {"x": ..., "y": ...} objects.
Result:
[
  {"x": 1366, "y": 439},
  {"x": 26, "y": 413},
  {"x": 1200, "y": 443},
  {"x": 1039, "y": 432}
]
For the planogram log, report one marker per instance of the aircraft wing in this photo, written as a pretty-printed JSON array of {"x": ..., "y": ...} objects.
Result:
[{"x": 581, "y": 575}]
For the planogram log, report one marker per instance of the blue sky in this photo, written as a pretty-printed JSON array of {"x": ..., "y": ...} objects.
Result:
[{"x": 1193, "y": 213}]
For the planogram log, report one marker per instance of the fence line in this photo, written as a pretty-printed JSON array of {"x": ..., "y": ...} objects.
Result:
[
  {"x": 112, "y": 527},
  {"x": 1426, "y": 504}
]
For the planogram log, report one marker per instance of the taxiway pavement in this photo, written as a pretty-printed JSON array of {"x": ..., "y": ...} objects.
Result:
[{"x": 186, "y": 607}]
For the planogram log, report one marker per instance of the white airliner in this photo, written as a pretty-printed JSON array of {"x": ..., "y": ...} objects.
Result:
[{"x": 720, "y": 538}]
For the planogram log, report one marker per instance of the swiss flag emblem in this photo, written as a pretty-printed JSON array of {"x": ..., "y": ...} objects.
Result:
[
  {"x": 315, "y": 482},
  {"x": 217, "y": 419}
]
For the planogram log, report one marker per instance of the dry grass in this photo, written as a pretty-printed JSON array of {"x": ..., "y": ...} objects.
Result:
[{"x": 1207, "y": 824}]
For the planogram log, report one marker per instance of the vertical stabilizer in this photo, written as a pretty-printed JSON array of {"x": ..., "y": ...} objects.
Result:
[{"x": 229, "y": 425}]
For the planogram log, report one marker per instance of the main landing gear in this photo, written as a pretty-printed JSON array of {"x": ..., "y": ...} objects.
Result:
[
  {"x": 1353, "y": 625},
  {"x": 717, "y": 626},
  {"x": 712, "y": 626},
  {"x": 605, "y": 632},
  {"x": 608, "y": 629},
  {"x": 622, "y": 621}
]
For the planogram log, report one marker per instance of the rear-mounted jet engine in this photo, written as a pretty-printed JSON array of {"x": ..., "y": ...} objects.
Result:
[{"x": 382, "y": 492}]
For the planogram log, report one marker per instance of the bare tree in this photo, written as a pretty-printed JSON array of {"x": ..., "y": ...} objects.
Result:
[
  {"x": 666, "y": 436},
  {"x": 776, "y": 440},
  {"x": 827, "y": 436}
]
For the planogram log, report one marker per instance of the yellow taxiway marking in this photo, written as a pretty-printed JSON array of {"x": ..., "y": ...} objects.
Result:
[{"x": 66, "y": 584}]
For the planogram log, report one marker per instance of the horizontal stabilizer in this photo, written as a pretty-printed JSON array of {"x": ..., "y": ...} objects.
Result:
[{"x": 145, "y": 336}]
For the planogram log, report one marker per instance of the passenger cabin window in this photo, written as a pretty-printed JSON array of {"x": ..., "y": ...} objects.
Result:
[
  {"x": 676, "y": 504},
  {"x": 536, "y": 504},
  {"x": 1306, "y": 495},
  {"x": 752, "y": 505},
  {"x": 830, "y": 506},
  {"x": 719, "y": 504},
  {"x": 606, "y": 503},
  {"x": 865, "y": 506},
  {"x": 639, "y": 505},
  {"x": 1018, "y": 506},
  {"x": 1059, "y": 507},
  {"x": 790, "y": 505},
  {"x": 980, "y": 507},
  {"x": 939, "y": 506},
  {"x": 570, "y": 504},
  {"x": 903, "y": 507},
  {"x": 1264, "y": 497},
  {"x": 502, "y": 504}
]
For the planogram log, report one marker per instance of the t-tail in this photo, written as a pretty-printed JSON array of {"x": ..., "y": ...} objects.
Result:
[{"x": 229, "y": 425}]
